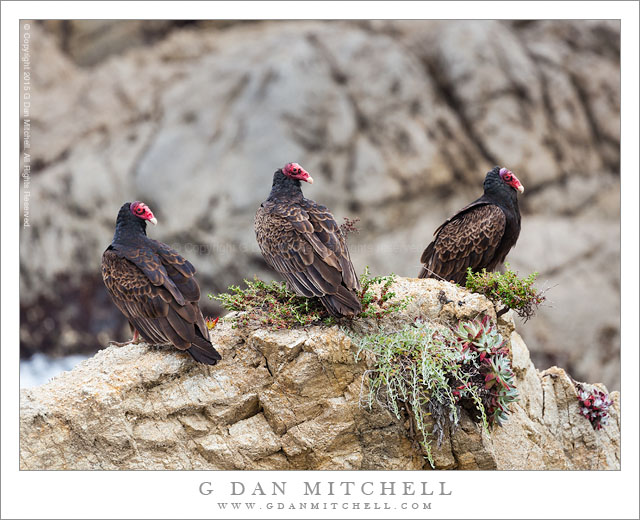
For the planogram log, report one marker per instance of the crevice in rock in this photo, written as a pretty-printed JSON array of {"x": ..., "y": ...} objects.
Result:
[
  {"x": 447, "y": 92},
  {"x": 598, "y": 138}
]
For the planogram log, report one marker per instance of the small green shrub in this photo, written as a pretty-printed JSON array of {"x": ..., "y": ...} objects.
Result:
[
  {"x": 378, "y": 306},
  {"x": 271, "y": 305},
  {"x": 430, "y": 372},
  {"x": 508, "y": 290}
]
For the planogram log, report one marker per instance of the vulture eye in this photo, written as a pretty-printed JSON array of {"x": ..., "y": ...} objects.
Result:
[
  {"x": 295, "y": 170},
  {"x": 507, "y": 178},
  {"x": 139, "y": 211}
]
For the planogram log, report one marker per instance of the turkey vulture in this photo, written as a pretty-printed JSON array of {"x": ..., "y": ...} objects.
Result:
[
  {"x": 154, "y": 287},
  {"x": 301, "y": 240},
  {"x": 479, "y": 235}
]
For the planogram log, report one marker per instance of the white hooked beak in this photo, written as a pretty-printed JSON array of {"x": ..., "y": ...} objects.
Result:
[
  {"x": 521, "y": 188},
  {"x": 153, "y": 220}
]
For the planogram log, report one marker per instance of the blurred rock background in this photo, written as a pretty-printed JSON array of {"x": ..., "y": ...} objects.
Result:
[{"x": 398, "y": 122}]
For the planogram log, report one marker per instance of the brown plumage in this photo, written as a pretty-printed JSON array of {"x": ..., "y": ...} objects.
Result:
[
  {"x": 301, "y": 240},
  {"x": 478, "y": 236},
  {"x": 154, "y": 287}
]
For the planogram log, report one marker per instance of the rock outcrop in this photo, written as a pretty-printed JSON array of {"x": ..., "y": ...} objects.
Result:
[
  {"x": 290, "y": 399},
  {"x": 398, "y": 122}
]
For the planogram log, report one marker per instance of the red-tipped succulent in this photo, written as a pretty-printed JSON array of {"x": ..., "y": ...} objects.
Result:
[
  {"x": 484, "y": 347},
  {"x": 594, "y": 405}
]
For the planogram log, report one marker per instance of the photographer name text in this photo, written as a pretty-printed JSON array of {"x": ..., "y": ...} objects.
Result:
[{"x": 329, "y": 488}]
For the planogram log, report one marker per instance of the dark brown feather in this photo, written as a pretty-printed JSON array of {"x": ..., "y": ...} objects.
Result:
[
  {"x": 159, "y": 296},
  {"x": 302, "y": 241},
  {"x": 480, "y": 235},
  {"x": 470, "y": 239}
]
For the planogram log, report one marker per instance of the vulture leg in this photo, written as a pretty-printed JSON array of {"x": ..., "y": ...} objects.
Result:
[{"x": 134, "y": 340}]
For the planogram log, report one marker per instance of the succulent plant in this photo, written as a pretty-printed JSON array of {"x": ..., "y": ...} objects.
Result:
[
  {"x": 482, "y": 344},
  {"x": 594, "y": 405},
  {"x": 480, "y": 336},
  {"x": 432, "y": 372},
  {"x": 499, "y": 382}
]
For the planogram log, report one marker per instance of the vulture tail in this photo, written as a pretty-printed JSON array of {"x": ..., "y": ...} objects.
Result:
[
  {"x": 343, "y": 303},
  {"x": 203, "y": 352},
  {"x": 425, "y": 259},
  {"x": 423, "y": 273}
]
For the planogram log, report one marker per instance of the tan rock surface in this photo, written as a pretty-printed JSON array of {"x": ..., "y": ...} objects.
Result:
[{"x": 290, "y": 399}]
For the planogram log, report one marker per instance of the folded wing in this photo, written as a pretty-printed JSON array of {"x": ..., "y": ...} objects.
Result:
[
  {"x": 156, "y": 291},
  {"x": 303, "y": 242},
  {"x": 471, "y": 238}
]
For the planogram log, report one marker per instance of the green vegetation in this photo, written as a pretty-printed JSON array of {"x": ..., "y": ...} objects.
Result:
[
  {"x": 378, "y": 306},
  {"x": 483, "y": 346},
  {"x": 430, "y": 371},
  {"x": 273, "y": 306},
  {"x": 507, "y": 289}
]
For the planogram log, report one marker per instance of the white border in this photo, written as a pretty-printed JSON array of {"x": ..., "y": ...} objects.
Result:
[{"x": 175, "y": 495}]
